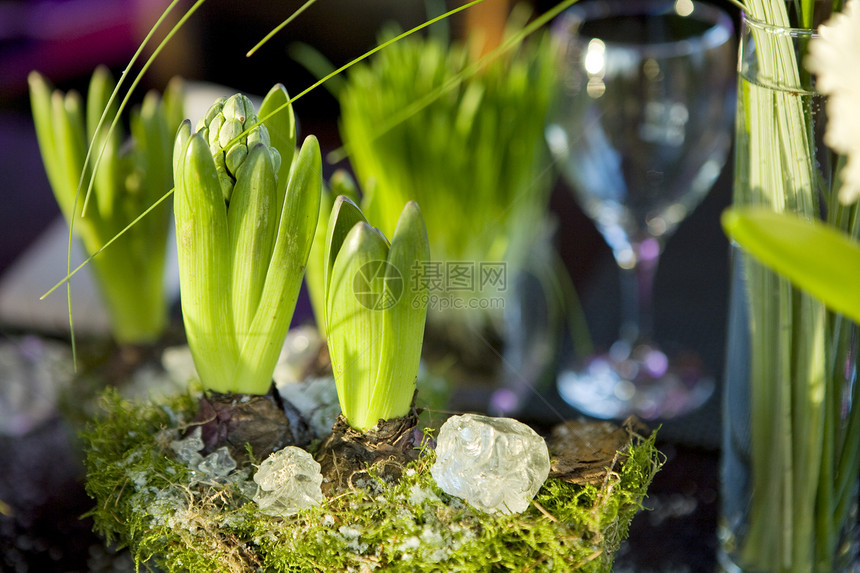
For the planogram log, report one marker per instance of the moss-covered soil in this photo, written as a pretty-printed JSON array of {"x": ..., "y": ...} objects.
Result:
[{"x": 180, "y": 519}]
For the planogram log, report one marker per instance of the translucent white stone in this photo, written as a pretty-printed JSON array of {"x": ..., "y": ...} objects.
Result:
[
  {"x": 288, "y": 481},
  {"x": 218, "y": 464},
  {"x": 187, "y": 449},
  {"x": 494, "y": 464}
]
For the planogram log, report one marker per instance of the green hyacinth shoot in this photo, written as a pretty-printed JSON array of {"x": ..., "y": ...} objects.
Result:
[
  {"x": 374, "y": 311},
  {"x": 133, "y": 174},
  {"x": 246, "y": 207}
]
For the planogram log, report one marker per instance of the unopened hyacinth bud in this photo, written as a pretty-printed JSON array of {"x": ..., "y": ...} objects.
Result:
[{"x": 221, "y": 127}]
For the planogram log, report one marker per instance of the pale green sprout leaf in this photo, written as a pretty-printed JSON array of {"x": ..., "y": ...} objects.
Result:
[
  {"x": 403, "y": 324},
  {"x": 344, "y": 215},
  {"x": 252, "y": 221},
  {"x": 204, "y": 263},
  {"x": 99, "y": 100},
  {"x": 375, "y": 312},
  {"x": 262, "y": 344},
  {"x": 814, "y": 256},
  {"x": 340, "y": 183},
  {"x": 68, "y": 122},
  {"x": 281, "y": 122},
  {"x": 355, "y": 327}
]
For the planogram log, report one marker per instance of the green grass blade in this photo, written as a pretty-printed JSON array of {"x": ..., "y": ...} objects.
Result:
[
  {"x": 280, "y": 27},
  {"x": 98, "y": 100},
  {"x": 43, "y": 120},
  {"x": 818, "y": 259}
]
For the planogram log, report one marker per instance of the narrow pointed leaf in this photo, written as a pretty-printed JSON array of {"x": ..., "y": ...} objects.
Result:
[
  {"x": 344, "y": 215},
  {"x": 109, "y": 183},
  {"x": 340, "y": 184},
  {"x": 315, "y": 273},
  {"x": 42, "y": 107},
  {"x": 355, "y": 321},
  {"x": 818, "y": 259},
  {"x": 204, "y": 265},
  {"x": 403, "y": 325},
  {"x": 296, "y": 225},
  {"x": 252, "y": 221},
  {"x": 69, "y": 148},
  {"x": 174, "y": 109},
  {"x": 183, "y": 134},
  {"x": 282, "y": 132},
  {"x": 98, "y": 96}
]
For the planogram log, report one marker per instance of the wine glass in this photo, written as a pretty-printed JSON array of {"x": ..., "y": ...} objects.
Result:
[{"x": 641, "y": 131}]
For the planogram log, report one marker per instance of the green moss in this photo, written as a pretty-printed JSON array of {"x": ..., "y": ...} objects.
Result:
[{"x": 183, "y": 521}]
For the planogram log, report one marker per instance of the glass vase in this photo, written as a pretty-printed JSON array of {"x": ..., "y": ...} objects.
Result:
[{"x": 791, "y": 430}]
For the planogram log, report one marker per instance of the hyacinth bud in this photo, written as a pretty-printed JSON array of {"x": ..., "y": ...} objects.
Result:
[{"x": 222, "y": 128}]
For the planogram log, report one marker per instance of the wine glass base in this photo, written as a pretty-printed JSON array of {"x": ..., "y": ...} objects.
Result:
[{"x": 644, "y": 383}]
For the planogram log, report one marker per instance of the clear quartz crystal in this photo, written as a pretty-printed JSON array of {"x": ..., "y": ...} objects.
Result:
[
  {"x": 218, "y": 464},
  {"x": 495, "y": 464},
  {"x": 188, "y": 449},
  {"x": 288, "y": 481}
]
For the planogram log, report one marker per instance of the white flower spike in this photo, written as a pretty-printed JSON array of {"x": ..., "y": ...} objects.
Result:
[{"x": 832, "y": 58}]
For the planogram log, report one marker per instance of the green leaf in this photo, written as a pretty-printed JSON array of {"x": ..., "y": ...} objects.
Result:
[
  {"x": 100, "y": 89},
  {"x": 817, "y": 258},
  {"x": 173, "y": 98},
  {"x": 403, "y": 323},
  {"x": 69, "y": 148},
  {"x": 252, "y": 222},
  {"x": 354, "y": 326},
  {"x": 341, "y": 183},
  {"x": 282, "y": 132},
  {"x": 183, "y": 134},
  {"x": 298, "y": 218},
  {"x": 204, "y": 264},
  {"x": 344, "y": 215}
]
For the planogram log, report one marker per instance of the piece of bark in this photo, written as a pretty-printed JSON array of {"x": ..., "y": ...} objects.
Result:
[{"x": 582, "y": 452}]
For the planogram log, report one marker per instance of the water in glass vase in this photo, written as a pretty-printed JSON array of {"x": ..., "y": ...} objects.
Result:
[{"x": 791, "y": 429}]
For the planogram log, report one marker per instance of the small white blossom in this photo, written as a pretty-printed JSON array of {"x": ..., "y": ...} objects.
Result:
[{"x": 835, "y": 58}]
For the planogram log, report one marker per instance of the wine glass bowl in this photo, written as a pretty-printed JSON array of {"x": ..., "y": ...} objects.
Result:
[{"x": 641, "y": 130}]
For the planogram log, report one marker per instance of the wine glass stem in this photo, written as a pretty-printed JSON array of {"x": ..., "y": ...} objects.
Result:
[{"x": 637, "y": 286}]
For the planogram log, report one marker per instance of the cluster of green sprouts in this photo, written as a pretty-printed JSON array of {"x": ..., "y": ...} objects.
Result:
[
  {"x": 131, "y": 176},
  {"x": 430, "y": 121}
]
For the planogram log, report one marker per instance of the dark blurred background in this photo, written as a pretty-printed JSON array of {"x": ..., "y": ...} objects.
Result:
[{"x": 41, "y": 497}]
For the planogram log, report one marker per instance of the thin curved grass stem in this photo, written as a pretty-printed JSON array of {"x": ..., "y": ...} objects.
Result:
[
  {"x": 280, "y": 27},
  {"x": 366, "y": 55},
  {"x": 110, "y": 101},
  {"x": 72, "y": 273},
  {"x": 97, "y": 163}
]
